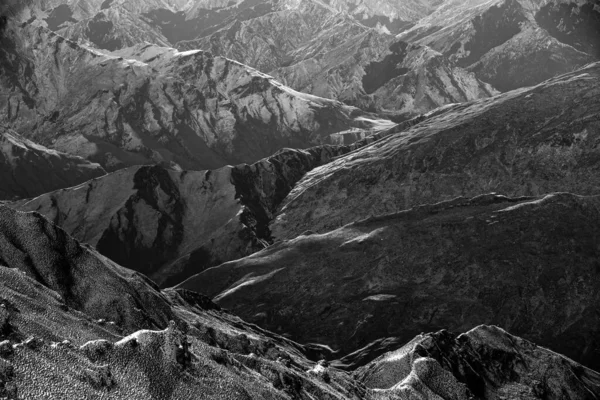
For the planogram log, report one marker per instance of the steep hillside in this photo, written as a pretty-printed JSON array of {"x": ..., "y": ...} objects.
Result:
[
  {"x": 71, "y": 324},
  {"x": 315, "y": 49},
  {"x": 170, "y": 224},
  {"x": 512, "y": 43},
  {"x": 528, "y": 265},
  {"x": 112, "y": 29},
  {"x": 526, "y": 142},
  {"x": 401, "y": 79},
  {"x": 488, "y": 361},
  {"x": 106, "y": 329},
  {"x": 150, "y": 104},
  {"x": 28, "y": 170}
]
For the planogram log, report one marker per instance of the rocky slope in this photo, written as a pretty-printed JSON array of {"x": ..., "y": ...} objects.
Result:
[
  {"x": 150, "y": 104},
  {"x": 528, "y": 265},
  {"x": 313, "y": 48},
  {"x": 172, "y": 224},
  {"x": 485, "y": 362},
  {"x": 66, "y": 308},
  {"x": 112, "y": 29},
  {"x": 28, "y": 169},
  {"x": 525, "y": 142},
  {"x": 512, "y": 43},
  {"x": 59, "y": 337}
]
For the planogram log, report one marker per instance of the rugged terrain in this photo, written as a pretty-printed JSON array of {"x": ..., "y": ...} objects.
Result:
[
  {"x": 172, "y": 224},
  {"x": 325, "y": 50},
  {"x": 529, "y": 265},
  {"x": 151, "y": 104},
  {"x": 512, "y": 43},
  {"x": 313, "y": 48},
  {"x": 28, "y": 169},
  {"x": 110, "y": 345},
  {"x": 525, "y": 142},
  {"x": 344, "y": 175}
]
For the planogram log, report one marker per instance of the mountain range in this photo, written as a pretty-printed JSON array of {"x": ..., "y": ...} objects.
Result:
[{"x": 284, "y": 199}]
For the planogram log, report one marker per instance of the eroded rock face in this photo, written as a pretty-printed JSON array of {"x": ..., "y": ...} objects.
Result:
[
  {"x": 484, "y": 363},
  {"x": 28, "y": 169},
  {"x": 150, "y": 104},
  {"x": 526, "y": 142},
  {"x": 513, "y": 262}
]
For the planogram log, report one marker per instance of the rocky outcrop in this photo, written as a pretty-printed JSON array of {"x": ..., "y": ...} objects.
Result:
[
  {"x": 511, "y": 43},
  {"x": 526, "y": 142},
  {"x": 528, "y": 265},
  {"x": 484, "y": 363},
  {"x": 28, "y": 169},
  {"x": 150, "y": 104}
]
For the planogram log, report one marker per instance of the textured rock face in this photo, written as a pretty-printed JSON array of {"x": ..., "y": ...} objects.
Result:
[
  {"x": 170, "y": 224},
  {"x": 377, "y": 73},
  {"x": 28, "y": 169},
  {"x": 485, "y": 362},
  {"x": 151, "y": 104},
  {"x": 113, "y": 29},
  {"x": 528, "y": 265},
  {"x": 325, "y": 50},
  {"x": 314, "y": 49},
  {"x": 526, "y": 142},
  {"x": 487, "y": 37}
]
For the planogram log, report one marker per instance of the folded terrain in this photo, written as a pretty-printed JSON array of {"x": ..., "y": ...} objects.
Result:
[
  {"x": 314, "y": 48},
  {"x": 487, "y": 361},
  {"x": 512, "y": 43},
  {"x": 329, "y": 50},
  {"x": 172, "y": 224},
  {"x": 151, "y": 104},
  {"x": 525, "y": 142},
  {"x": 528, "y": 265},
  {"x": 74, "y": 324},
  {"x": 28, "y": 169}
]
